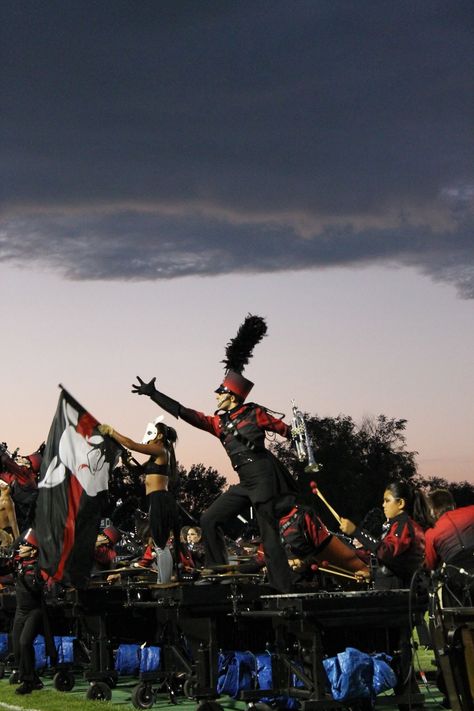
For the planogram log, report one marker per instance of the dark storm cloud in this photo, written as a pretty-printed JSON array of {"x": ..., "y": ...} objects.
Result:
[{"x": 150, "y": 140}]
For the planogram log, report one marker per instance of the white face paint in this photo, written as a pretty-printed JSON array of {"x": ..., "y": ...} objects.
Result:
[{"x": 151, "y": 430}]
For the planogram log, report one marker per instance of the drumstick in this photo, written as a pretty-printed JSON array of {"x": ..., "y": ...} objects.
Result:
[
  {"x": 316, "y": 492},
  {"x": 336, "y": 567},
  {"x": 335, "y": 572}
]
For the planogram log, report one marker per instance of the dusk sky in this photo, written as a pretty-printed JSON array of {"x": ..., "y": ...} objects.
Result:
[{"x": 169, "y": 167}]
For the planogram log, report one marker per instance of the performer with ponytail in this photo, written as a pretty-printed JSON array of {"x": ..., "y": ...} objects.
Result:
[
  {"x": 241, "y": 428},
  {"x": 160, "y": 471},
  {"x": 400, "y": 550}
]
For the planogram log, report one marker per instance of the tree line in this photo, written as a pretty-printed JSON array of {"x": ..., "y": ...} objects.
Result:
[{"x": 357, "y": 462}]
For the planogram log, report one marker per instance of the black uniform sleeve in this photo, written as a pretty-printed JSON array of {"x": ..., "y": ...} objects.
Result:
[
  {"x": 192, "y": 417},
  {"x": 167, "y": 403}
]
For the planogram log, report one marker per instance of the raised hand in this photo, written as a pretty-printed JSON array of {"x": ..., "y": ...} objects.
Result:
[
  {"x": 347, "y": 526},
  {"x": 143, "y": 388}
]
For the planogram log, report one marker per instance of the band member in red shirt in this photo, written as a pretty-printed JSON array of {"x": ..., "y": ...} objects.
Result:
[
  {"x": 400, "y": 550},
  {"x": 105, "y": 556},
  {"x": 309, "y": 544},
  {"x": 451, "y": 542}
]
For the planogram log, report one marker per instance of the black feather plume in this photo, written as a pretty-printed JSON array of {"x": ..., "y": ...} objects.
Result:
[{"x": 239, "y": 349}]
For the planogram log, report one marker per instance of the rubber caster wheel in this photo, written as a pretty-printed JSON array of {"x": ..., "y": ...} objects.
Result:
[
  {"x": 143, "y": 696},
  {"x": 209, "y": 706},
  {"x": 99, "y": 691},
  {"x": 14, "y": 678},
  {"x": 189, "y": 687},
  {"x": 64, "y": 681}
]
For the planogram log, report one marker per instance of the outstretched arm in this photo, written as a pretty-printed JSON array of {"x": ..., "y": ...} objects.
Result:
[{"x": 192, "y": 417}]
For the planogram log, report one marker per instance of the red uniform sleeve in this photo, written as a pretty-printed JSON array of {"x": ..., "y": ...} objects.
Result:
[
  {"x": 208, "y": 423},
  {"x": 105, "y": 556},
  {"x": 397, "y": 540},
  {"x": 431, "y": 556},
  {"x": 10, "y": 466},
  {"x": 272, "y": 424}
]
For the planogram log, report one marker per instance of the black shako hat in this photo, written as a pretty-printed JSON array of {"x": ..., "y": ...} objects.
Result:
[{"x": 238, "y": 353}]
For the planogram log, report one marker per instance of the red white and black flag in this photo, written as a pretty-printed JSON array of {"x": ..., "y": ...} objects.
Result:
[{"x": 73, "y": 487}]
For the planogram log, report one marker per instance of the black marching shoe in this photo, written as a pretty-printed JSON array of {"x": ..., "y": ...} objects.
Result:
[{"x": 26, "y": 687}]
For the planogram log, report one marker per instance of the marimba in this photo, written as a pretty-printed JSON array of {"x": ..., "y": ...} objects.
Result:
[{"x": 311, "y": 626}]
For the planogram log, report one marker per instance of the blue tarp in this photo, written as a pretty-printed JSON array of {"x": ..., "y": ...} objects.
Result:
[{"x": 354, "y": 674}]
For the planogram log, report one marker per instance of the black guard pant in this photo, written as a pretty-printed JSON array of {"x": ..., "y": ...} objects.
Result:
[{"x": 236, "y": 499}]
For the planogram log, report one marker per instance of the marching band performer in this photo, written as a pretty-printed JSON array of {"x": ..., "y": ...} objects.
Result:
[
  {"x": 451, "y": 540},
  {"x": 309, "y": 544},
  {"x": 105, "y": 555},
  {"x": 451, "y": 543},
  {"x": 400, "y": 550},
  {"x": 241, "y": 427},
  {"x": 160, "y": 470},
  {"x": 29, "y": 615}
]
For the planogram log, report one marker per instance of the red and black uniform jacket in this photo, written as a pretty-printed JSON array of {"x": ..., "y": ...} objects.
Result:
[
  {"x": 303, "y": 533},
  {"x": 11, "y": 471},
  {"x": 29, "y": 582},
  {"x": 400, "y": 552},
  {"x": 242, "y": 433},
  {"x": 29, "y": 585},
  {"x": 194, "y": 554},
  {"x": 105, "y": 558},
  {"x": 451, "y": 540},
  {"x": 241, "y": 430}
]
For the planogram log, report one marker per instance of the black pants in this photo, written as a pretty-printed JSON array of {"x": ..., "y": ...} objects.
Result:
[
  {"x": 231, "y": 503},
  {"x": 26, "y": 625},
  {"x": 163, "y": 516}
]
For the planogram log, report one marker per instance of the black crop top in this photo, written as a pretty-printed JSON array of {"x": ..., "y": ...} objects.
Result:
[{"x": 151, "y": 467}]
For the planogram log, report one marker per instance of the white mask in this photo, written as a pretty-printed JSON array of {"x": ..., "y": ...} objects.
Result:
[{"x": 151, "y": 430}]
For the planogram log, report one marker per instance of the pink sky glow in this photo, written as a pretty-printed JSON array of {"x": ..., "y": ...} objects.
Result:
[{"x": 354, "y": 341}]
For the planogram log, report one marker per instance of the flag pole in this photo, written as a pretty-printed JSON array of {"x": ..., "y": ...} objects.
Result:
[{"x": 75, "y": 401}]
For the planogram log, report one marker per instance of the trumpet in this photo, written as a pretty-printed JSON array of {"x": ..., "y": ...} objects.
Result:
[{"x": 302, "y": 440}]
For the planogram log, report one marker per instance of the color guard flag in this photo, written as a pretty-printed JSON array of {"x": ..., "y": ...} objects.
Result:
[{"x": 72, "y": 491}]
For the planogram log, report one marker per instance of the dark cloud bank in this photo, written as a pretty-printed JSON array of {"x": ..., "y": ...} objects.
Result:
[{"x": 145, "y": 140}]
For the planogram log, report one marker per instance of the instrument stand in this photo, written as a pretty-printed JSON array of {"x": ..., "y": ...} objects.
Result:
[
  {"x": 452, "y": 632},
  {"x": 300, "y": 626}
]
